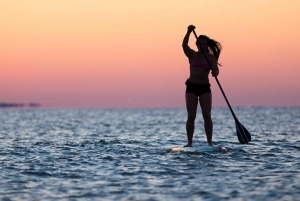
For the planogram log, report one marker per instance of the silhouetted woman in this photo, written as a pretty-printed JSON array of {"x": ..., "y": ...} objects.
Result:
[{"x": 197, "y": 85}]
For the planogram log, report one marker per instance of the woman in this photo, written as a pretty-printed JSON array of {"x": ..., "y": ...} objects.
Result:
[{"x": 197, "y": 85}]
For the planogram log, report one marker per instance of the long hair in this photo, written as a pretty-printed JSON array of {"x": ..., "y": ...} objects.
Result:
[{"x": 214, "y": 47}]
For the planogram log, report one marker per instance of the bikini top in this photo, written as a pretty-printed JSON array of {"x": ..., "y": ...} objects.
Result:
[{"x": 197, "y": 63}]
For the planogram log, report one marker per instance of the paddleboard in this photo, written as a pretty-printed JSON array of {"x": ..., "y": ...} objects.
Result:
[{"x": 217, "y": 148}]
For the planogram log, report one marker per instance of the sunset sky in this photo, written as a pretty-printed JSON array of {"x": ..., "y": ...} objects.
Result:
[{"x": 128, "y": 54}]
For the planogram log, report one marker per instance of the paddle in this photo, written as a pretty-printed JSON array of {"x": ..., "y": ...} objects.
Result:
[{"x": 242, "y": 133}]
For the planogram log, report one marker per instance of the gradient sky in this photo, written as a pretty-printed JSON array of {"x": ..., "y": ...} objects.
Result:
[{"x": 127, "y": 53}]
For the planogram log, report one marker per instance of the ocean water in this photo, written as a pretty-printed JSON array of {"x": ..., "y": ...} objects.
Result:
[{"x": 124, "y": 154}]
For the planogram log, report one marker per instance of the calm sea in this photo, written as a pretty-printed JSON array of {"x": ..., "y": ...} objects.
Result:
[{"x": 124, "y": 154}]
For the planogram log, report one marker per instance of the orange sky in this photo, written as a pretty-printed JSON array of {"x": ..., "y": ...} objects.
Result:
[{"x": 127, "y": 53}]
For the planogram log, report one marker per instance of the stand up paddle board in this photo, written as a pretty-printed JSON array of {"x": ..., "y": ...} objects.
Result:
[{"x": 217, "y": 148}]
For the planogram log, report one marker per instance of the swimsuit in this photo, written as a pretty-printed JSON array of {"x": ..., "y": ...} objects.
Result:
[
  {"x": 197, "y": 63},
  {"x": 197, "y": 89}
]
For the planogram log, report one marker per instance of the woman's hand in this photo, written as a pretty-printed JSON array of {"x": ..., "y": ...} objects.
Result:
[
  {"x": 214, "y": 66},
  {"x": 191, "y": 28},
  {"x": 215, "y": 73}
]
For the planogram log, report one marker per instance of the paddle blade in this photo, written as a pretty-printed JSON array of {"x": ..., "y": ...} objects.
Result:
[{"x": 242, "y": 133}]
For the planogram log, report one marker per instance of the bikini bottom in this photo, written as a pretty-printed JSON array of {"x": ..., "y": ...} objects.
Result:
[{"x": 197, "y": 89}]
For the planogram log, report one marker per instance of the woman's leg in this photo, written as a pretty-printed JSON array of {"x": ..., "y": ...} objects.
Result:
[
  {"x": 205, "y": 103},
  {"x": 191, "y": 106}
]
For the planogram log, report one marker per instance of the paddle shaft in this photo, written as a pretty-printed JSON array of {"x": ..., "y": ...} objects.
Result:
[{"x": 236, "y": 120}]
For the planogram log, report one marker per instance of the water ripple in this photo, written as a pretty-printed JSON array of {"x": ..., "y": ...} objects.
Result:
[{"x": 125, "y": 154}]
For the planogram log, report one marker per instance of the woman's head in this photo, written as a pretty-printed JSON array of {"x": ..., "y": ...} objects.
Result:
[{"x": 210, "y": 45}]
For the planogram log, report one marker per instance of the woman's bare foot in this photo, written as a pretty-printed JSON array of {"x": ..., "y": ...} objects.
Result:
[{"x": 188, "y": 145}]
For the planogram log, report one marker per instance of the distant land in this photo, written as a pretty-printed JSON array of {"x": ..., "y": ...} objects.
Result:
[{"x": 8, "y": 105}]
